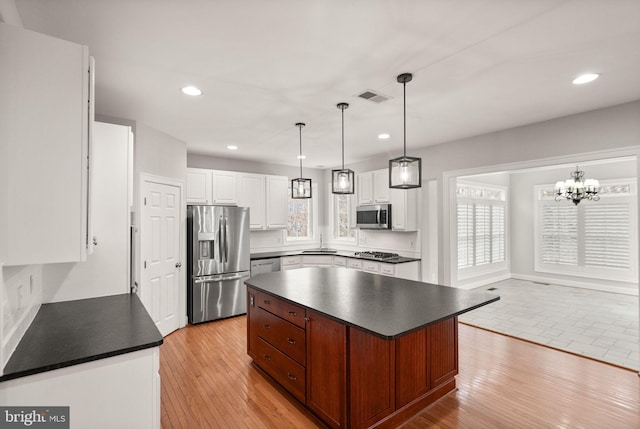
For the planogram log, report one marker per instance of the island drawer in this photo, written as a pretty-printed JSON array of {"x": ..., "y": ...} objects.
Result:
[
  {"x": 281, "y": 334},
  {"x": 283, "y": 369},
  {"x": 284, "y": 309}
]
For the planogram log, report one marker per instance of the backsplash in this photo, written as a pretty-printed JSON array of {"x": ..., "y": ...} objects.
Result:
[
  {"x": 403, "y": 243},
  {"x": 20, "y": 297}
]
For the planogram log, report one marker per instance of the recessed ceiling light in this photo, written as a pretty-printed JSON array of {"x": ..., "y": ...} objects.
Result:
[
  {"x": 191, "y": 90},
  {"x": 383, "y": 136},
  {"x": 585, "y": 78},
  {"x": 232, "y": 147},
  {"x": 301, "y": 157}
]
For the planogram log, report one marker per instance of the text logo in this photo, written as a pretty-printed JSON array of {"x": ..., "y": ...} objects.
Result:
[{"x": 34, "y": 417}]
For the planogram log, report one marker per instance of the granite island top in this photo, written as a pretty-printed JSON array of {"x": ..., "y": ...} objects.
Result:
[
  {"x": 342, "y": 253},
  {"x": 74, "y": 332},
  {"x": 387, "y": 307}
]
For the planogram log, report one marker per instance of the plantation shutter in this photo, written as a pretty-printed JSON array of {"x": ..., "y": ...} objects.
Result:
[
  {"x": 607, "y": 235},
  {"x": 559, "y": 234},
  {"x": 497, "y": 233},
  {"x": 482, "y": 234},
  {"x": 465, "y": 235}
]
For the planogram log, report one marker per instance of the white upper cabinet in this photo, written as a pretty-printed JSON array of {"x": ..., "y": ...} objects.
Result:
[
  {"x": 381, "y": 186},
  {"x": 206, "y": 186},
  {"x": 365, "y": 188},
  {"x": 46, "y": 114},
  {"x": 265, "y": 195},
  {"x": 252, "y": 194},
  {"x": 404, "y": 209},
  {"x": 277, "y": 197},
  {"x": 373, "y": 187},
  {"x": 224, "y": 189},
  {"x": 199, "y": 185}
]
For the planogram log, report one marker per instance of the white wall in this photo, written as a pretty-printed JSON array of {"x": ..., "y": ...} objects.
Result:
[
  {"x": 105, "y": 272},
  {"x": 161, "y": 155},
  {"x": 575, "y": 138},
  {"x": 521, "y": 198}
]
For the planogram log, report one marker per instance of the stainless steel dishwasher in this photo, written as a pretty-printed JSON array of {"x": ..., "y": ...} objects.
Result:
[{"x": 269, "y": 265}]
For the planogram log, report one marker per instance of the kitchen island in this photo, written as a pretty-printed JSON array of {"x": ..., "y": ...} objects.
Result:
[{"x": 359, "y": 350}]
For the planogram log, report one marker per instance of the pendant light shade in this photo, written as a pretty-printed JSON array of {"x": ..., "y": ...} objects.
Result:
[
  {"x": 405, "y": 172},
  {"x": 300, "y": 187},
  {"x": 342, "y": 181}
]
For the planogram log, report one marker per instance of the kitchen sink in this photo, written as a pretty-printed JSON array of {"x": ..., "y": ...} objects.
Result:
[{"x": 319, "y": 251}]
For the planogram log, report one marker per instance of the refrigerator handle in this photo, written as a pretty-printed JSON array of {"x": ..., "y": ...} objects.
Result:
[
  {"x": 226, "y": 240},
  {"x": 220, "y": 239}
]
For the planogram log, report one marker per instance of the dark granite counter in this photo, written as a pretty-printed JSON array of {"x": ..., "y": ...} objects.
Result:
[
  {"x": 384, "y": 306},
  {"x": 342, "y": 253},
  {"x": 74, "y": 332}
]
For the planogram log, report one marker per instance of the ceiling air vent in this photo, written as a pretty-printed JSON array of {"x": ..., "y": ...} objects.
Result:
[{"x": 373, "y": 96}]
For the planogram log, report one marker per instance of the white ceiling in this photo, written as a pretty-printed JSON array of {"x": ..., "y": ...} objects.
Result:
[{"x": 479, "y": 66}]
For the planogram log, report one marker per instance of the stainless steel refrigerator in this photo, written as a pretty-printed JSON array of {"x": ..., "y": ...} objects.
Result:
[{"x": 218, "y": 262}]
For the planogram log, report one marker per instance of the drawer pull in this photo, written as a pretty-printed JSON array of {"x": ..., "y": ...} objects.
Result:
[
  {"x": 291, "y": 377},
  {"x": 292, "y": 313},
  {"x": 266, "y": 357},
  {"x": 267, "y": 302},
  {"x": 266, "y": 326},
  {"x": 291, "y": 341}
]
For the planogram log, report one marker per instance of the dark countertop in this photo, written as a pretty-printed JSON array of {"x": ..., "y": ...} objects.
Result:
[
  {"x": 342, "y": 253},
  {"x": 73, "y": 332},
  {"x": 384, "y": 306}
]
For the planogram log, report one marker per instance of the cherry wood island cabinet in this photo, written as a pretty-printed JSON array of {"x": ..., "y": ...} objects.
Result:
[{"x": 359, "y": 350}]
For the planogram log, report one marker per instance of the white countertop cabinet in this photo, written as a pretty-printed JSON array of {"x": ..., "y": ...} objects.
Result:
[{"x": 46, "y": 115}]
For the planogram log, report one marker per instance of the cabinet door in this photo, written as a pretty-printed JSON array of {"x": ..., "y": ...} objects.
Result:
[
  {"x": 365, "y": 188},
  {"x": 326, "y": 369},
  {"x": 381, "y": 186},
  {"x": 224, "y": 187},
  {"x": 198, "y": 186},
  {"x": 404, "y": 209},
  {"x": 276, "y": 202},
  {"x": 252, "y": 195},
  {"x": 45, "y": 115}
]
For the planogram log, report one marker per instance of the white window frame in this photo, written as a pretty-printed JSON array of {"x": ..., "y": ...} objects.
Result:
[
  {"x": 351, "y": 201},
  {"x": 314, "y": 219},
  {"x": 543, "y": 195},
  {"x": 490, "y": 267}
]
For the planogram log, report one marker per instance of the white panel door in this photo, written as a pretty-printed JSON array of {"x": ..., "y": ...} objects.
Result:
[{"x": 160, "y": 240}]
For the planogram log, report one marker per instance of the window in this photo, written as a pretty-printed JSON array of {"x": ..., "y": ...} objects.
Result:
[
  {"x": 301, "y": 215},
  {"x": 480, "y": 228},
  {"x": 592, "y": 239},
  {"x": 342, "y": 213}
]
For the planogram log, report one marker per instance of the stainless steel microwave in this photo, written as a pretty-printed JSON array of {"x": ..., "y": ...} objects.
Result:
[{"x": 375, "y": 216}]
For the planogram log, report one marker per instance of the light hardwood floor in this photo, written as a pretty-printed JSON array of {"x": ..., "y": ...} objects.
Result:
[{"x": 208, "y": 381}]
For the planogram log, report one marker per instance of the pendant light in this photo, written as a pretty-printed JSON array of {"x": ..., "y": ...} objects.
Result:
[
  {"x": 300, "y": 187},
  {"x": 405, "y": 172},
  {"x": 342, "y": 181}
]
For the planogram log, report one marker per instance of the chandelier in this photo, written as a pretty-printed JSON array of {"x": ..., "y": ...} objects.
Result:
[{"x": 577, "y": 188}]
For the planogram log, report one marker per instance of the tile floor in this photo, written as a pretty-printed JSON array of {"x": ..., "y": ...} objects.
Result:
[{"x": 600, "y": 325}]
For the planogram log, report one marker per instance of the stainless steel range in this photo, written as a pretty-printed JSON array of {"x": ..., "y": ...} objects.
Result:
[{"x": 378, "y": 256}]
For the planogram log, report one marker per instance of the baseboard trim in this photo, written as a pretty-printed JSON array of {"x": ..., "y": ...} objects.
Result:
[{"x": 578, "y": 284}]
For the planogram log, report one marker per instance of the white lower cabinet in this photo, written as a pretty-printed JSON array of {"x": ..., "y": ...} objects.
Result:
[
  {"x": 126, "y": 391},
  {"x": 339, "y": 262},
  {"x": 354, "y": 264},
  {"x": 371, "y": 267},
  {"x": 290, "y": 262},
  {"x": 317, "y": 261}
]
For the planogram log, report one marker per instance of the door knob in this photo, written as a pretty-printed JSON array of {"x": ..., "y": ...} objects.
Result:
[{"x": 178, "y": 264}]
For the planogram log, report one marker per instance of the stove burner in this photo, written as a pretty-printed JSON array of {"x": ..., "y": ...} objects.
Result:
[{"x": 381, "y": 256}]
